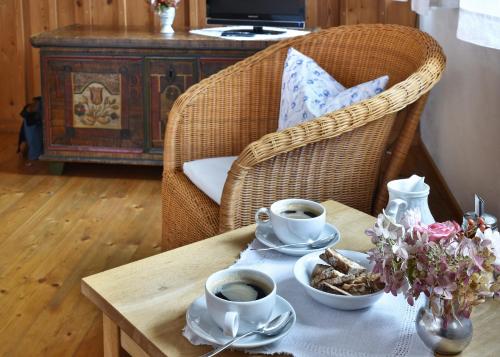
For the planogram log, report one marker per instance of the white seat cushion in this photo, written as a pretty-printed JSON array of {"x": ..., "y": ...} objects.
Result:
[
  {"x": 308, "y": 91},
  {"x": 209, "y": 175}
]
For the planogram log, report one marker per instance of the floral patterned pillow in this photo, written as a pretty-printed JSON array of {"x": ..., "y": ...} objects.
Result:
[{"x": 308, "y": 91}]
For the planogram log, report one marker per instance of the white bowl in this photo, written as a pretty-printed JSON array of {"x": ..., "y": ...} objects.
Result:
[{"x": 304, "y": 267}]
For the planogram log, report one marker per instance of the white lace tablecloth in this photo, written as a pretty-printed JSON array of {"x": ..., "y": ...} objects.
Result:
[{"x": 385, "y": 329}]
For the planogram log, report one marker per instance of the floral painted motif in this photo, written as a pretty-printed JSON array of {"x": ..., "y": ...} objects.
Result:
[
  {"x": 96, "y": 95},
  {"x": 97, "y": 101},
  {"x": 308, "y": 91},
  {"x": 163, "y": 5}
]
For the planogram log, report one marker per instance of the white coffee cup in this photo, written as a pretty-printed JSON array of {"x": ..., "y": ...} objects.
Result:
[
  {"x": 239, "y": 317},
  {"x": 292, "y": 230}
]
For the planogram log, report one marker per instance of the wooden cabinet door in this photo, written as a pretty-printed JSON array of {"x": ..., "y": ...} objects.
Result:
[
  {"x": 94, "y": 104},
  {"x": 168, "y": 78}
]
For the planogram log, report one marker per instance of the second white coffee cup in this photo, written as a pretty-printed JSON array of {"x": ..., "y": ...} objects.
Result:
[{"x": 294, "y": 220}]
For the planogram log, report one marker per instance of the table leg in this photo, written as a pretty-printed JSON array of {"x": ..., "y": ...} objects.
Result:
[{"x": 111, "y": 337}]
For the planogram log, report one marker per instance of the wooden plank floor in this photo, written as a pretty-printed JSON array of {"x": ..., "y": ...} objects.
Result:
[{"x": 54, "y": 230}]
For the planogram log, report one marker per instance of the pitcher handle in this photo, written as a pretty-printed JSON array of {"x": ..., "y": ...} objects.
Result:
[{"x": 396, "y": 206}]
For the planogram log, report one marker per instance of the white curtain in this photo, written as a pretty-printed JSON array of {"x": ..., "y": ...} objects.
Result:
[
  {"x": 422, "y": 7},
  {"x": 479, "y": 20}
]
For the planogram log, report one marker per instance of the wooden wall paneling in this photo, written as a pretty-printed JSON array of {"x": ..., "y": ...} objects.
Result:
[
  {"x": 197, "y": 13},
  {"x": 181, "y": 21},
  {"x": 27, "y": 53},
  {"x": 327, "y": 13},
  {"x": 359, "y": 12},
  {"x": 312, "y": 13},
  {"x": 193, "y": 10},
  {"x": 104, "y": 12},
  {"x": 21, "y": 63},
  {"x": 400, "y": 13},
  {"x": 122, "y": 13},
  {"x": 41, "y": 18},
  {"x": 66, "y": 12},
  {"x": 12, "y": 80},
  {"x": 83, "y": 12},
  {"x": 382, "y": 7},
  {"x": 52, "y": 9},
  {"x": 139, "y": 13}
]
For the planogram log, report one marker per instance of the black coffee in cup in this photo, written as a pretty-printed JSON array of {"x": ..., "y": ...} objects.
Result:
[
  {"x": 294, "y": 220},
  {"x": 241, "y": 291},
  {"x": 299, "y": 212}
]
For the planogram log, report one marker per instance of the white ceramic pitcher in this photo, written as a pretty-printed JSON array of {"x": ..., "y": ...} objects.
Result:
[{"x": 409, "y": 193}]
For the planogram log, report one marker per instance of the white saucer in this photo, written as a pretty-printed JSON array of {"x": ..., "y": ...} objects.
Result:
[
  {"x": 203, "y": 326},
  {"x": 265, "y": 234}
]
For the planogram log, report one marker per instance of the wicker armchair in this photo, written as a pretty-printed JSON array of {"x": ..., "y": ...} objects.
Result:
[{"x": 347, "y": 155}]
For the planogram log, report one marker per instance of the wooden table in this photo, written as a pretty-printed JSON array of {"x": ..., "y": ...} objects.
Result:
[{"x": 144, "y": 303}]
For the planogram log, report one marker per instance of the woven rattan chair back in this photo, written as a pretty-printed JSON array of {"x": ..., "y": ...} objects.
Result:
[{"x": 341, "y": 155}]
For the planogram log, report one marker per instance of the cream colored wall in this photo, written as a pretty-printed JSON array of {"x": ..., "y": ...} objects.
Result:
[{"x": 461, "y": 123}]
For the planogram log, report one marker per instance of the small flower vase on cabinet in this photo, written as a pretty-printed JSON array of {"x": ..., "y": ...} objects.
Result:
[
  {"x": 167, "y": 19},
  {"x": 445, "y": 339}
]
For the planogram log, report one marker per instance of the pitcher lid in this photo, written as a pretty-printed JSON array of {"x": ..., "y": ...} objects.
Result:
[{"x": 412, "y": 185}]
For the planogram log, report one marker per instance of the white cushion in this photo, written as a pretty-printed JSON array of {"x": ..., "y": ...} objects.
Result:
[
  {"x": 308, "y": 92},
  {"x": 209, "y": 175}
]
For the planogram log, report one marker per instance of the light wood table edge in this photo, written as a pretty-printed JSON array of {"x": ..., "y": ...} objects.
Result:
[{"x": 115, "y": 325}]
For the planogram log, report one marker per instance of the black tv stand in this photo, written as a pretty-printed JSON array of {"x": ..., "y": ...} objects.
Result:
[{"x": 256, "y": 30}]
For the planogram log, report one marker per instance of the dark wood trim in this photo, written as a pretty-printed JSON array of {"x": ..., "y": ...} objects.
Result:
[{"x": 103, "y": 160}]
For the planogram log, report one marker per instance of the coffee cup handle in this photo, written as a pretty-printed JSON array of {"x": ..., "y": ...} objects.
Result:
[
  {"x": 231, "y": 323},
  {"x": 395, "y": 207},
  {"x": 260, "y": 211}
]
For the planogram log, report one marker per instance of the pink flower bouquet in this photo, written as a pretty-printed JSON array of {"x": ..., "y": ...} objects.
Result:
[
  {"x": 454, "y": 271},
  {"x": 161, "y": 5}
]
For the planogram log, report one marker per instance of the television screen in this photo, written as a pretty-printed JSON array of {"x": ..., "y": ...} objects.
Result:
[{"x": 286, "y": 13}]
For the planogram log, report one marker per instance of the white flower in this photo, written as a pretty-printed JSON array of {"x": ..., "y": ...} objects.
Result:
[
  {"x": 494, "y": 238},
  {"x": 411, "y": 218},
  {"x": 390, "y": 225},
  {"x": 400, "y": 249}
]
